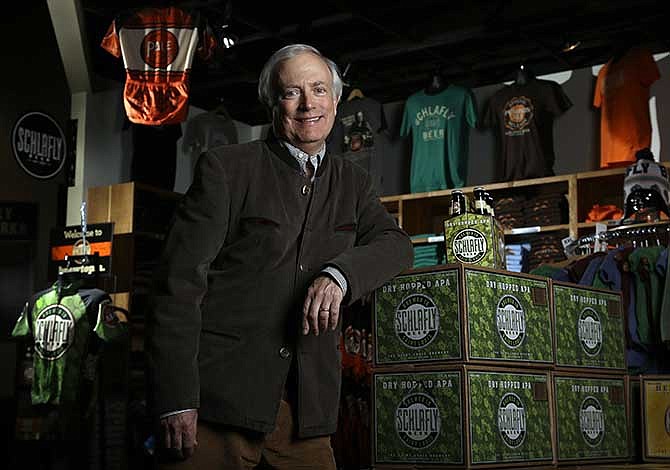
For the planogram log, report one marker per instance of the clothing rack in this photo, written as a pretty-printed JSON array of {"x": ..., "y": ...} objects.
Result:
[{"x": 637, "y": 235}]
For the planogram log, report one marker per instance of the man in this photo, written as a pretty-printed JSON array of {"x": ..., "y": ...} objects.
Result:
[{"x": 268, "y": 241}]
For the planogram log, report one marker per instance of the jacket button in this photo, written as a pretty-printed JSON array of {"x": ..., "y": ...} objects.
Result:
[
  {"x": 284, "y": 353},
  {"x": 305, "y": 190},
  {"x": 302, "y": 268}
]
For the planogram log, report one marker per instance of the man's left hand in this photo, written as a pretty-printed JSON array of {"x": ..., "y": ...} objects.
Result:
[{"x": 322, "y": 306}]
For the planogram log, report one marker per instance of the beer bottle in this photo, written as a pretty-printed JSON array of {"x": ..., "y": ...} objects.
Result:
[
  {"x": 458, "y": 205},
  {"x": 480, "y": 201},
  {"x": 489, "y": 203}
]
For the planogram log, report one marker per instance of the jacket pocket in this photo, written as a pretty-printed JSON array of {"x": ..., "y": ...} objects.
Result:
[
  {"x": 259, "y": 244},
  {"x": 351, "y": 227},
  {"x": 341, "y": 237}
]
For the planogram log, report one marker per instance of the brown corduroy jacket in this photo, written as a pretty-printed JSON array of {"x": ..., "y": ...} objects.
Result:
[{"x": 248, "y": 238}]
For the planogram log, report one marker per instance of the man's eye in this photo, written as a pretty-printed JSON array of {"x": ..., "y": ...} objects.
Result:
[
  {"x": 321, "y": 90},
  {"x": 290, "y": 94}
]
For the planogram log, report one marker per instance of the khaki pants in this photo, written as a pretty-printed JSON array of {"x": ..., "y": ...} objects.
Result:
[{"x": 220, "y": 447}]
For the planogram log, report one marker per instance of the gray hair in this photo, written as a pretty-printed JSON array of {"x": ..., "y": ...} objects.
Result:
[{"x": 268, "y": 95}]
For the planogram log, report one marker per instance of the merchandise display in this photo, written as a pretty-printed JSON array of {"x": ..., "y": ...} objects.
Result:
[
  {"x": 522, "y": 116},
  {"x": 68, "y": 332},
  {"x": 516, "y": 257},
  {"x": 360, "y": 133},
  {"x": 462, "y": 415},
  {"x": 622, "y": 94},
  {"x": 463, "y": 313},
  {"x": 641, "y": 276},
  {"x": 428, "y": 254},
  {"x": 646, "y": 189},
  {"x": 59, "y": 321},
  {"x": 207, "y": 130},
  {"x": 545, "y": 249},
  {"x": 158, "y": 46},
  {"x": 655, "y": 396},
  {"x": 604, "y": 212},
  {"x": 531, "y": 331},
  {"x": 418, "y": 417},
  {"x": 358, "y": 123},
  {"x": 589, "y": 327},
  {"x": 439, "y": 127},
  {"x": 474, "y": 239},
  {"x": 591, "y": 418},
  {"x": 509, "y": 211}
]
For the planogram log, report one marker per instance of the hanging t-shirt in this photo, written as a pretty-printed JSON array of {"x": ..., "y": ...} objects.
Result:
[
  {"x": 60, "y": 326},
  {"x": 358, "y": 135},
  {"x": 208, "y": 130},
  {"x": 523, "y": 117},
  {"x": 622, "y": 94},
  {"x": 357, "y": 125},
  {"x": 158, "y": 46},
  {"x": 438, "y": 124}
]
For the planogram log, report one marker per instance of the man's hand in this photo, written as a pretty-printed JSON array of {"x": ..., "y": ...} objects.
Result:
[
  {"x": 178, "y": 433},
  {"x": 322, "y": 306}
]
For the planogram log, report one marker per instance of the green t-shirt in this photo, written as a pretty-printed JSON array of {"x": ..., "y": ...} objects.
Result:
[
  {"x": 60, "y": 331},
  {"x": 648, "y": 293},
  {"x": 439, "y": 126}
]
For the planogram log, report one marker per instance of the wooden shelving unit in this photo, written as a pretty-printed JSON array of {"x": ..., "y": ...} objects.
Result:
[
  {"x": 422, "y": 213},
  {"x": 141, "y": 215}
]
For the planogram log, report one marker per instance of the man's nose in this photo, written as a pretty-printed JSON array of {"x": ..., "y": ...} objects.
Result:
[{"x": 306, "y": 101}]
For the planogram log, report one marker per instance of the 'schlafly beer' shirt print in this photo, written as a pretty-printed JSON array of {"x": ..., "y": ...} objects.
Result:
[{"x": 439, "y": 126}]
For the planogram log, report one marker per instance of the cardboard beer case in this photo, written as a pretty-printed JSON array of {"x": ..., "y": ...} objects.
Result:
[
  {"x": 462, "y": 416},
  {"x": 635, "y": 417},
  {"x": 591, "y": 418},
  {"x": 460, "y": 313},
  {"x": 655, "y": 414},
  {"x": 589, "y": 328},
  {"x": 475, "y": 239}
]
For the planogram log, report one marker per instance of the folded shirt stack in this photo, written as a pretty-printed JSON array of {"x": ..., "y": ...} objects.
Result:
[
  {"x": 545, "y": 249},
  {"x": 428, "y": 254},
  {"x": 509, "y": 211},
  {"x": 516, "y": 257},
  {"x": 545, "y": 209}
]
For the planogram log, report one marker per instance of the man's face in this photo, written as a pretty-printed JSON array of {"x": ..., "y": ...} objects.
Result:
[{"x": 306, "y": 108}]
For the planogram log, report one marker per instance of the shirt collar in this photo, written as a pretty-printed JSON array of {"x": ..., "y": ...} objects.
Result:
[{"x": 303, "y": 156}]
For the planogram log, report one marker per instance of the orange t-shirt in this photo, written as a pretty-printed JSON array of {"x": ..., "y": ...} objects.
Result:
[
  {"x": 158, "y": 46},
  {"x": 622, "y": 94}
]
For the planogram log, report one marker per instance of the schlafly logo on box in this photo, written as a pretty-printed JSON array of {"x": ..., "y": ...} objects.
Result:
[
  {"x": 511, "y": 321},
  {"x": 592, "y": 421},
  {"x": 590, "y": 331},
  {"x": 469, "y": 246},
  {"x": 417, "y": 321},
  {"x": 417, "y": 420},
  {"x": 512, "y": 420}
]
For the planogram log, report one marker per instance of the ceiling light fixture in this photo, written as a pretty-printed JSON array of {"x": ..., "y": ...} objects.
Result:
[
  {"x": 570, "y": 45},
  {"x": 226, "y": 37}
]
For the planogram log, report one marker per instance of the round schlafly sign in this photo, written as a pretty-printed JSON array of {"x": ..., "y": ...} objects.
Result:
[{"x": 39, "y": 145}]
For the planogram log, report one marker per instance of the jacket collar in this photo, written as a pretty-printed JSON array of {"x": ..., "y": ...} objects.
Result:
[{"x": 282, "y": 152}]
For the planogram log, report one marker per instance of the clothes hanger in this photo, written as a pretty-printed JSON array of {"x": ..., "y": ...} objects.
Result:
[
  {"x": 221, "y": 110},
  {"x": 437, "y": 83},
  {"x": 523, "y": 75},
  {"x": 356, "y": 93}
]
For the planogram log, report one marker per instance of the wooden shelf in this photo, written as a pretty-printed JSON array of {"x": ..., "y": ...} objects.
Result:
[
  {"x": 537, "y": 229},
  {"x": 609, "y": 223},
  {"x": 417, "y": 213}
]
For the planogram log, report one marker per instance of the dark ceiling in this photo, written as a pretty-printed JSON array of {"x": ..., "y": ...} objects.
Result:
[{"x": 391, "y": 51}]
